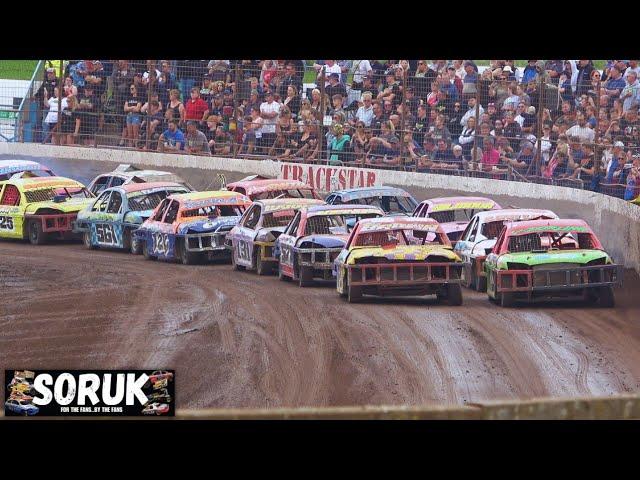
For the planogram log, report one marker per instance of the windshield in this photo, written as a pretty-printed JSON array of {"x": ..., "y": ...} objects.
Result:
[
  {"x": 548, "y": 241},
  {"x": 47, "y": 194},
  {"x": 334, "y": 224},
  {"x": 277, "y": 219},
  {"x": 392, "y": 238},
  {"x": 215, "y": 211},
  {"x": 389, "y": 204},
  {"x": 307, "y": 193},
  {"x": 149, "y": 201},
  {"x": 447, "y": 216}
]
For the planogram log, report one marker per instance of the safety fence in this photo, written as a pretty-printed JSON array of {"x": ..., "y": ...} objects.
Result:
[{"x": 553, "y": 122}]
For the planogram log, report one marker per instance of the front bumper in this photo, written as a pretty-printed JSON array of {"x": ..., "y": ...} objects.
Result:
[
  {"x": 205, "y": 242},
  {"x": 559, "y": 279},
  {"x": 408, "y": 274}
]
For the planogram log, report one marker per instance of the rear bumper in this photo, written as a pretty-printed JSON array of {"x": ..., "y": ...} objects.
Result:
[
  {"x": 403, "y": 274},
  {"x": 56, "y": 222},
  {"x": 560, "y": 279},
  {"x": 317, "y": 258},
  {"x": 266, "y": 251},
  {"x": 206, "y": 242}
]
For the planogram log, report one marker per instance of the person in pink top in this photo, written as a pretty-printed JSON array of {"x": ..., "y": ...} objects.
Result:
[{"x": 491, "y": 156}]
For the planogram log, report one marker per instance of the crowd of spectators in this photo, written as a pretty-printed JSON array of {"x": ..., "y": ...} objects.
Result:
[{"x": 560, "y": 121}]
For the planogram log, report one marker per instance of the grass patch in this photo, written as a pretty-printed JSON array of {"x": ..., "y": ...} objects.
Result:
[{"x": 17, "y": 69}]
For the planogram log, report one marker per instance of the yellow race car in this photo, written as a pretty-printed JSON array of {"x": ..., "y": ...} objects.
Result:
[{"x": 40, "y": 208}]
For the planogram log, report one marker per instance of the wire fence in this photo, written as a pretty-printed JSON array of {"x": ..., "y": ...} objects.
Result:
[{"x": 559, "y": 122}]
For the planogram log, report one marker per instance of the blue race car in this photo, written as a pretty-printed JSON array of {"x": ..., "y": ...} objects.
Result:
[
  {"x": 190, "y": 226},
  {"x": 392, "y": 201},
  {"x": 21, "y": 407},
  {"x": 116, "y": 214}
]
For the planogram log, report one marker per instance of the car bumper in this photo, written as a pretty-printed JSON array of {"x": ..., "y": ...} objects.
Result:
[
  {"x": 560, "y": 279},
  {"x": 317, "y": 258},
  {"x": 403, "y": 274},
  {"x": 205, "y": 242},
  {"x": 61, "y": 222}
]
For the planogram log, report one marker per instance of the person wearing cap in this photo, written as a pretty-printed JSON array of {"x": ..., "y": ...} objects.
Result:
[
  {"x": 335, "y": 87},
  {"x": 329, "y": 67},
  {"x": 269, "y": 111},
  {"x": 524, "y": 158},
  {"x": 172, "y": 139},
  {"x": 391, "y": 90},
  {"x": 470, "y": 79}
]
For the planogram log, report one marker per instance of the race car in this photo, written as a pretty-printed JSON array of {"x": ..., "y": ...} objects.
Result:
[
  {"x": 156, "y": 409},
  {"x": 542, "y": 259},
  {"x": 454, "y": 213},
  {"x": 260, "y": 188},
  {"x": 314, "y": 238},
  {"x": 161, "y": 395},
  {"x": 22, "y": 407},
  {"x": 191, "y": 226},
  {"x": 23, "y": 169},
  {"x": 20, "y": 396},
  {"x": 40, "y": 208},
  {"x": 478, "y": 240},
  {"x": 252, "y": 241},
  {"x": 398, "y": 256},
  {"x": 392, "y": 201},
  {"x": 111, "y": 220},
  {"x": 126, "y": 173}
]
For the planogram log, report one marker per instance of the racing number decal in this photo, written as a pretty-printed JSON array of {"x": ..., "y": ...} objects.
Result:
[
  {"x": 105, "y": 234},
  {"x": 160, "y": 243},
  {"x": 286, "y": 254},
  {"x": 6, "y": 223},
  {"x": 243, "y": 251}
]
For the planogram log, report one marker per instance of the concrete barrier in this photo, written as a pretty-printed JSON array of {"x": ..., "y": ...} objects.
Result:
[{"x": 615, "y": 221}]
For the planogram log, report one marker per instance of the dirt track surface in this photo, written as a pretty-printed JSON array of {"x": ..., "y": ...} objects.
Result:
[{"x": 239, "y": 340}]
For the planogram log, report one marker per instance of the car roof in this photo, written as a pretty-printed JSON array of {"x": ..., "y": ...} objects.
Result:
[
  {"x": 512, "y": 213},
  {"x": 393, "y": 223},
  {"x": 277, "y": 204},
  {"x": 268, "y": 185},
  {"x": 213, "y": 197},
  {"x": 363, "y": 192},
  {"x": 530, "y": 226},
  {"x": 443, "y": 202},
  {"x": 34, "y": 183},
  {"x": 136, "y": 187},
  {"x": 341, "y": 208},
  {"x": 9, "y": 166}
]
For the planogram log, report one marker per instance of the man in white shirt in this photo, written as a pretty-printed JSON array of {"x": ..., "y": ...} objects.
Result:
[
  {"x": 471, "y": 112},
  {"x": 330, "y": 66},
  {"x": 365, "y": 112},
  {"x": 269, "y": 111},
  {"x": 582, "y": 130},
  {"x": 361, "y": 69}
]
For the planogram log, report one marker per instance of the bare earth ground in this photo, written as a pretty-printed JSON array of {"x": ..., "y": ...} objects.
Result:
[{"x": 239, "y": 340}]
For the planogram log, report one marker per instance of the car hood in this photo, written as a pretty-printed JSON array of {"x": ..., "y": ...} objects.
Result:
[
  {"x": 581, "y": 257},
  {"x": 327, "y": 241},
  {"x": 454, "y": 226},
  {"x": 138, "y": 216},
  {"x": 71, "y": 205},
  {"x": 403, "y": 252},
  {"x": 205, "y": 225}
]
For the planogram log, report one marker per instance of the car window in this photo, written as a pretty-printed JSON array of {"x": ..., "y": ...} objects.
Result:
[
  {"x": 473, "y": 231},
  {"x": 10, "y": 196},
  {"x": 161, "y": 210},
  {"x": 115, "y": 203},
  {"x": 100, "y": 184},
  {"x": 293, "y": 226},
  {"x": 172, "y": 212},
  {"x": 117, "y": 181},
  {"x": 100, "y": 205},
  {"x": 253, "y": 217}
]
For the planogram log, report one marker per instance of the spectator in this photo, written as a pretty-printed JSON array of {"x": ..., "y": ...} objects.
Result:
[
  {"x": 612, "y": 88},
  {"x": 439, "y": 131},
  {"x": 292, "y": 100},
  {"x": 633, "y": 179},
  {"x": 443, "y": 153},
  {"x": 69, "y": 87},
  {"x": 329, "y": 67},
  {"x": 554, "y": 70},
  {"x": 490, "y": 156},
  {"x": 455, "y": 82},
  {"x": 132, "y": 107},
  {"x": 338, "y": 145},
  {"x": 498, "y": 130},
  {"x": 70, "y": 126},
  {"x": 421, "y": 125},
  {"x": 467, "y": 136},
  {"x": 512, "y": 129},
  {"x": 336, "y": 104},
  {"x": 152, "y": 119},
  {"x": 195, "y": 141},
  {"x": 285, "y": 130},
  {"x": 378, "y": 119},
  {"x": 469, "y": 79},
  {"x": 365, "y": 111},
  {"x": 630, "y": 94},
  {"x": 523, "y": 160},
  {"x": 582, "y": 130},
  {"x": 121, "y": 79},
  {"x": 471, "y": 111},
  {"x": 88, "y": 110},
  {"x": 290, "y": 80},
  {"x": 361, "y": 69},
  {"x": 269, "y": 111},
  {"x": 51, "y": 120},
  {"x": 175, "y": 108},
  {"x": 360, "y": 140},
  {"x": 384, "y": 148},
  {"x": 196, "y": 109},
  {"x": 391, "y": 91},
  {"x": 308, "y": 145},
  {"x": 172, "y": 139}
]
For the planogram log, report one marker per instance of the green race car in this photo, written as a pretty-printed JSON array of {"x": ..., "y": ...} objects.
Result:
[{"x": 542, "y": 259}]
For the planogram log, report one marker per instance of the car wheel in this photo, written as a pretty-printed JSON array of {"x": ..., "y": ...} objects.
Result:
[
  {"x": 481, "y": 284},
  {"x": 187, "y": 257},
  {"x": 234, "y": 263},
  {"x": 262, "y": 268},
  {"x": 36, "y": 235},
  {"x": 507, "y": 299},
  {"x": 282, "y": 276},
  {"x": 305, "y": 276},
  {"x": 354, "y": 294},
  {"x": 126, "y": 239},
  {"x": 454, "y": 294},
  {"x": 146, "y": 253},
  {"x": 606, "y": 299},
  {"x": 136, "y": 246},
  {"x": 86, "y": 239}
]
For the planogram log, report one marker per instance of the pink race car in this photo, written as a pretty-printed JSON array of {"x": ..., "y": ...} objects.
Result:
[
  {"x": 260, "y": 188},
  {"x": 454, "y": 213}
]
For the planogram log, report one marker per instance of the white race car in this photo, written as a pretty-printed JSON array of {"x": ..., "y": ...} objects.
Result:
[
  {"x": 156, "y": 409},
  {"x": 480, "y": 236},
  {"x": 126, "y": 173}
]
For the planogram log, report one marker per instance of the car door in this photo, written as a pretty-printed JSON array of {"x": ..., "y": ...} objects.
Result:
[
  {"x": 100, "y": 184},
  {"x": 466, "y": 242},
  {"x": 163, "y": 238},
  {"x": 242, "y": 240},
  {"x": 286, "y": 243},
  {"x": 108, "y": 227},
  {"x": 11, "y": 211}
]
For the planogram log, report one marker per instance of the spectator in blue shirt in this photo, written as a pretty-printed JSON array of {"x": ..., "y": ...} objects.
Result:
[
  {"x": 613, "y": 87},
  {"x": 172, "y": 139}
]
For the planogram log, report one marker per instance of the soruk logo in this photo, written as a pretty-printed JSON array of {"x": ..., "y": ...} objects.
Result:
[{"x": 100, "y": 392}]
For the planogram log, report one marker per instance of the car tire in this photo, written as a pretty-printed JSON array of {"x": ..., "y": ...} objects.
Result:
[
  {"x": 606, "y": 298},
  {"x": 187, "y": 257},
  {"x": 36, "y": 235},
  {"x": 507, "y": 299},
  {"x": 282, "y": 276},
  {"x": 454, "y": 294},
  {"x": 305, "y": 276},
  {"x": 481, "y": 284},
  {"x": 342, "y": 293},
  {"x": 136, "y": 246},
  {"x": 467, "y": 277},
  {"x": 86, "y": 239},
  {"x": 354, "y": 294},
  {"x": 126, "y": 239},
  {"x": 146, "y": 253}
]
